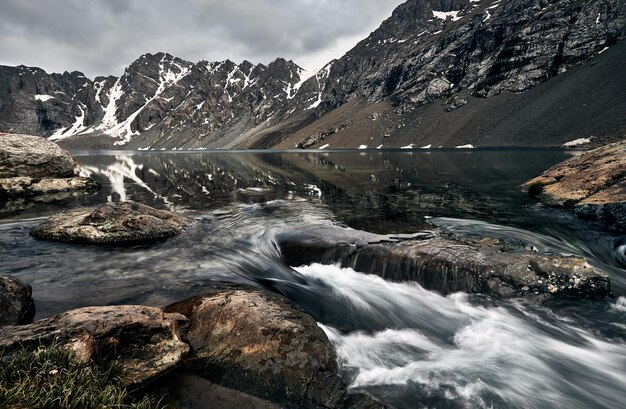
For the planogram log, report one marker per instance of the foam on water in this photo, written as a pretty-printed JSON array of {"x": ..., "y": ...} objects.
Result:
[{"x": 449, "y": 352}]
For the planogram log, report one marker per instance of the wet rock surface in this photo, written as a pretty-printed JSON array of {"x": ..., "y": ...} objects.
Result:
[
  {"x": 258, "y": 342},
  {"x": 31, "y": 165},
  {"x": 143, "y": 339},
  {"x": 112, "y": 223},
  {"x": 16, "y": 302},
  {"x": 593, "y": 185},
  {"x": 447, "y": 264}
]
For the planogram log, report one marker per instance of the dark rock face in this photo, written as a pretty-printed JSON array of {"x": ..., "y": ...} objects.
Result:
[
  {"x": 257, "y": 342},
  {"x": 16, "y": 301},
  {"x": 446, "y": 264},
  {"x": 143, "y": 339},
  {"x": 112, "y": 223},
  {"x": 37, "y": 103},
  {"x": 431, "y": 50},
  {"x": 593, "y": 185},
  {"x": 428, "y": 51}
]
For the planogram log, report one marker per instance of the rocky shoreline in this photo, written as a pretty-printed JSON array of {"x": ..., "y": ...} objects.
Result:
[{"x": 592, "y": 185}]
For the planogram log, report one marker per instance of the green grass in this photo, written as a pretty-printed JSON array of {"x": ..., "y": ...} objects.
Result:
[{"x": 47, "y": 378}]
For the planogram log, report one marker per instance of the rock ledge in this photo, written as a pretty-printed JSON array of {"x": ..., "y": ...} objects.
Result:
[{"x": 593, "y": 185}]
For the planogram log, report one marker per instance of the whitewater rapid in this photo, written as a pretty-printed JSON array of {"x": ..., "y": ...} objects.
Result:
[{"x": 452, "y": 352}]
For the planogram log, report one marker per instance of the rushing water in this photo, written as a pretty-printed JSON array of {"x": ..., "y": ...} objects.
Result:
[{"x": 397, "y": 341}]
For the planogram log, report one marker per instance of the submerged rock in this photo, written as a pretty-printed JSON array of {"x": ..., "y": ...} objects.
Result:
[
  {"x": 112, "y": 223},
  {"x": 593, "y": 185},
  {"x": 31, "y": 165},
  {"x": 258, "y": 342},
  {"x": 16, "y": 301},
  {"x": 144, "y": 340},
  {"x": 445, "y": 264}
]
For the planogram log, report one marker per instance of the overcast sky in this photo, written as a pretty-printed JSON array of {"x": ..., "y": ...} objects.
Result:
[{"x": 101, "y": 37}]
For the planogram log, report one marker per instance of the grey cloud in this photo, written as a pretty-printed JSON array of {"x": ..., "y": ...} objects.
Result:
[{"x": 101, "y": 37}]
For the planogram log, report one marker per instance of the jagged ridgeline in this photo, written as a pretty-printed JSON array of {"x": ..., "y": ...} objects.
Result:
[{"x": 436, "y": 73}]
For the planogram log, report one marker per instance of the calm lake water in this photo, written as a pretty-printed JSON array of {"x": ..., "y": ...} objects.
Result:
[{"x": 403, "y": 344}]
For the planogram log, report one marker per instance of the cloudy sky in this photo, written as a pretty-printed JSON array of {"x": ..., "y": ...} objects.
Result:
[{"x": 101, "y": 37}]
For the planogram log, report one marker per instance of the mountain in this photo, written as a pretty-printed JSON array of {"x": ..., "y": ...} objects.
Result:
[
  {"x": 486, "y": 73},
  {"x": 159, "y": 101},
  {"x": 436, "y": 73}
]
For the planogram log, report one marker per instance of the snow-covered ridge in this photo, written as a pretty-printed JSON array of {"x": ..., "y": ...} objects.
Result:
[{"x": 321, "y": 76}]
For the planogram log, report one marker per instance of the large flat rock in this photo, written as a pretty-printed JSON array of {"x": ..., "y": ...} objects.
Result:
[
  {"x": 112, "y": 223},
  {"x": 258, "y": 342},
  {"x": 593, "y": 185},
  {"x": 144, "y": 340},
  {"x": 444, "y": 263}
]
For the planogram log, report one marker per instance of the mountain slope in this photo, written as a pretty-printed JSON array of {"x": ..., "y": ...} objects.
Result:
[
  {"x": 437, "y": 72},
  {"x": 487, "y": 73}
]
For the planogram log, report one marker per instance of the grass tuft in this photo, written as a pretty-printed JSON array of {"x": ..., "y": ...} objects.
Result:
[{"x": 47, "y": 378}]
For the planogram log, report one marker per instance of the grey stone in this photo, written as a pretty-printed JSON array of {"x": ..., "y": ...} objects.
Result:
[
  {"x": 16, "y": 302},
  {"x": 34, "y": 157},
  {"x": 112, "y": 223}
]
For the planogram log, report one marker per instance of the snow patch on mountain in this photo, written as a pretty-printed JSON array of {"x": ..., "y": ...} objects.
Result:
[
  {"x": 321, "y": 76},
  {"x": 444, "y": 15},
  {"x": 577, "y": 142},
  {"x": 170, "y": 73},
  {"x": 43, "y": 98}
]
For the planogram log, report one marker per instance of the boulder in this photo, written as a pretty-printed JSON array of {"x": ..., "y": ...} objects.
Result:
[
  {"x": 112, "y": 223},
  {"x": 16, "y": 302},
  {"x": 447, "y": 264},
  {"x": 593, "y": 185},
  {"x": 259, "y": 343},
  {"x": 34, "y": 157},
  {"x": 144, "y": 340},
  {"x": 31, "y": 165}
]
